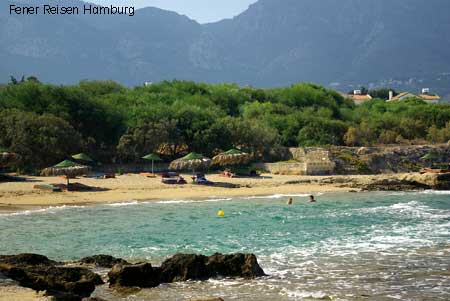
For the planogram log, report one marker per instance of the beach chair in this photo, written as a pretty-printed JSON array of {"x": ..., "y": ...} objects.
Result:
[
  {"x": 174, "y": 180},
  {"x": 227, "y": 174},
  {"x": 203, "y": 181},
  {"x": 47, "y": 187},
  {"x": 147, "y": 175}
]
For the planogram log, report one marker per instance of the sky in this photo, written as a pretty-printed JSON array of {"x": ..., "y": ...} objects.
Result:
[{"x": 203, "y": 11}]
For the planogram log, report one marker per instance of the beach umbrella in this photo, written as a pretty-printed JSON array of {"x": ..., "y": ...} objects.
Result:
[
  {"x": 153, "y": 158},
  {"x": 7, "y": 158},
  {"x": 66, "y": 168},
  {"x": 191, "y": 161},
  {"x": 231, "y": 157},
  {"x": 82, "y": 157}
]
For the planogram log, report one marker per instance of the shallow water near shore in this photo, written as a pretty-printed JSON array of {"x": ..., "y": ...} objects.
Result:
[{"x": 348, "y": 246}]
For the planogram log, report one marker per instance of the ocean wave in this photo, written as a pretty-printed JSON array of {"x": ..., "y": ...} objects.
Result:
[
  {"x": 380, "y": 240},
  {"x": 51, "y": 209},
  {"x": 438, "y": 192},
  {"x": 298, "y": 294},
  {"x": 192, "y": 201},
  {"x": 410, "y": 209},
  {"x": 122, "y": 204},
  {"x": 280, "y": 196}
]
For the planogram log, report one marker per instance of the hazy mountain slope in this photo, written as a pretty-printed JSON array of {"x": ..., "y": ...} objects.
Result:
[
  {"x": 274, "y": 42},
  {"x": 329, "y": 40},
  {"x": 152, "y": 45}
]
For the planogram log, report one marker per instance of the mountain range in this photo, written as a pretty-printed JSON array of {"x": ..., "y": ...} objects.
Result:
[{"x": 274, "y": 43}]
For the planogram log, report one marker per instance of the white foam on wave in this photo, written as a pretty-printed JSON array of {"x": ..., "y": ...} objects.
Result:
[
  {"x": 134, "y": 202},
  {"x": 431, "y": 227},
  {"x": 280, "y": 196},
  {"x": 51, "y": 210},
  {"x": 411, "y": 209},
  {"x": 438, "y": 192},
  {"x": 122, "y": 204},
  {"x": 300, "y": 295},
  {"x": 193, "y": 201}
]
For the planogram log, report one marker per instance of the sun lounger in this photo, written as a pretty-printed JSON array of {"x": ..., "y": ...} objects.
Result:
[
  {"x": 74, "y": 187},
  {"x": 227, "y": 174},
  {"x": 174, "y": 181},
  {"x": 147, "y": 175},
  {"x": 101, "y": 176},
  {"x": 169, "y": 174},
  {"x": 203, "y": 181},
  {"x": 47, "y": 187}
]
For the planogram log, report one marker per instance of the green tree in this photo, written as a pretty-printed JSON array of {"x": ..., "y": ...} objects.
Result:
[{"x": 41, "y": 140}]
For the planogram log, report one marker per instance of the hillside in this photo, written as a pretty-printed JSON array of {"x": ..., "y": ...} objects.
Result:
[{"x": 273, "y": 43}]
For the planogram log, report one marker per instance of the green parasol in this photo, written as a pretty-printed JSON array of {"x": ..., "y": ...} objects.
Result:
[
  {"x": 152, "y": 157},
  {"x": 82, "y": 157},
  {"x": 190, "y": 161},
  {"x": 66, "y": 164},
  {"x": 193, "y": 156},
  {"x": 66, "y": 168},
  {"x": 231, "y": 157}
]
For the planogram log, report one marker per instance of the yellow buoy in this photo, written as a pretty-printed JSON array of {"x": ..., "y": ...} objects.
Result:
[{"x": 221, "y": 213}]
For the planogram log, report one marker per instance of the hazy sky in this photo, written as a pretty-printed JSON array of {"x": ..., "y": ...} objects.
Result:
[{"x": 201, "y": 10}]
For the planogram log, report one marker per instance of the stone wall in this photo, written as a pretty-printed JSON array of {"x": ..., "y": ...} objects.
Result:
[
  {"x": 282, "y": 168},
  {"x": 362, "y": 160},
  {"x": 389, "y": 159},
  {"x": 299, "y": 168}
]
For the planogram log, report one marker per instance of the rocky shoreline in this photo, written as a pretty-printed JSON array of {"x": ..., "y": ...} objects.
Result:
[
  {"x": 76, "y": 281},
  {"x": 384, "y": 182}
]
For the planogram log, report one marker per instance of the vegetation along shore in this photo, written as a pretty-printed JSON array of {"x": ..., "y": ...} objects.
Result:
[{"x": 114, "y": 124}]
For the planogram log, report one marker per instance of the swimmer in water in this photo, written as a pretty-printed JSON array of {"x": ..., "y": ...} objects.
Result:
[
  {"x": 290, "y": 201},
  {"x": 312, "y": 199}
]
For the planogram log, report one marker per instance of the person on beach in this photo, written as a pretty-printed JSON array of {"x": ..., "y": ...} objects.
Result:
[
  {"x": 290, "y": 201},
  {"x": 312, "y": 199}
]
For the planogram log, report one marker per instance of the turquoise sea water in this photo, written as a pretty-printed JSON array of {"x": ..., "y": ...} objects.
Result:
[{"x": 349, "y": 246}]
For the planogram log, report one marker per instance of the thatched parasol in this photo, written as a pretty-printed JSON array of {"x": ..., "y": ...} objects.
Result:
[
  {"x": 66, "y": 168},
  {"x": 152, "y": 157},
  {"x": 82, "y": 157},
  {"x": 7, "y": 158},
  {"x": 231, "y": 157},
  {"x": 191, "y": 161}
]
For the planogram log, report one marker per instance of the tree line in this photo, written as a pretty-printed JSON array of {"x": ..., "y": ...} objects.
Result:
[{"x": 46, "y": 123}]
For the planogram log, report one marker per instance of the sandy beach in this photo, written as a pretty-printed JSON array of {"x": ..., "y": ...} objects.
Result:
[
  {"x": 132, "y": 187},
  {"x": 17, "y": 293}
]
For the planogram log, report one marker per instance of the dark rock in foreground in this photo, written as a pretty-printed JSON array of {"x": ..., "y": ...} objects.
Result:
[
  {"x": 75, "y": 283},
  {"x": 26, "y": 259},
  {"x": 104, "y": 261},
  {"x": 183, "y": 267},
  {"x": 234, "y": 265},
  {"x": 141, "y": 275},
  {"x": 41, "y": 274}
]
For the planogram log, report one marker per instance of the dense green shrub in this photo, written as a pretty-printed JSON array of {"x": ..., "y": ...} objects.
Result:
[{"x": 46, "y": 123}]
